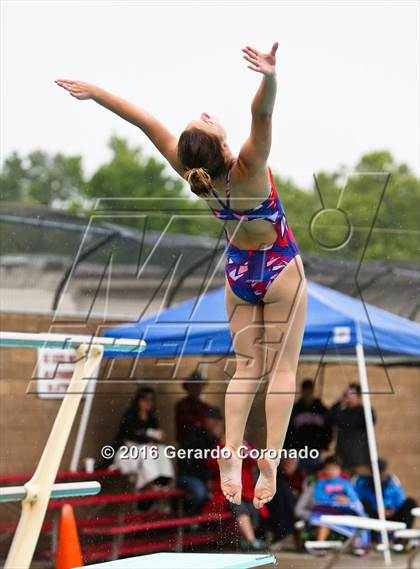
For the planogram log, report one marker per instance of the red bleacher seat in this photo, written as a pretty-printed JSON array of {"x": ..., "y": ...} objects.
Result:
[{"x": 158, "y": 524}]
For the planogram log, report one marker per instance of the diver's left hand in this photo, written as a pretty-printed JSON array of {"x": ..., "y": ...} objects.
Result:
[{"x": 264, "y": 63}]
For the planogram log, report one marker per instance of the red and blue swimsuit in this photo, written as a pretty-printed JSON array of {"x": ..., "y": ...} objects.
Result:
[{"x": 250, "y": 272}]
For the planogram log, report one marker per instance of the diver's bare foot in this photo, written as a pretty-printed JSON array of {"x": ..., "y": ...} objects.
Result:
[
  {"x": 265, "y": 487},
  {"x": 231, "y": 477}
]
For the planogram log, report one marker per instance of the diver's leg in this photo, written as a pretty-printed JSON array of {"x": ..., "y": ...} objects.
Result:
[
  {"x": 284, "y": 320},
  {"x": 246, "y": 325}
]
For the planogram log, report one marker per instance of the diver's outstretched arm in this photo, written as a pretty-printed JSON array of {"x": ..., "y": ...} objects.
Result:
[
  {"x": 159, "y": 135},
  {"x": 256, "y": 149}
]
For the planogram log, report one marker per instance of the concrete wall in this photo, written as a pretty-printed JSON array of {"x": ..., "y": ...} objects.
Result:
[{"x": 25, "y": 420}]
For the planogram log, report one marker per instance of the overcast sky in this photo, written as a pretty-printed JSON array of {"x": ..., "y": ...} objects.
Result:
[{"x": 348, "y": 75}]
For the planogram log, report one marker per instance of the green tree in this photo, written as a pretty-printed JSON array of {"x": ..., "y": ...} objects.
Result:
[
  {"x": 395, "y": 234},
  {"x": 138, "y": 184},
  {"x": 378, "y": 192},
  {"x": 12, "y": 179},
  {"x": 130, "y": 174},
  {"x": 41, "y": 178},
  {"x": 143, "y": 194}
]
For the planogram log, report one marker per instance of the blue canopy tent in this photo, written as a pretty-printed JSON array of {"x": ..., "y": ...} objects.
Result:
[
  {"x": 199, "y": 326},
  {"x": 336, "y": 325}
]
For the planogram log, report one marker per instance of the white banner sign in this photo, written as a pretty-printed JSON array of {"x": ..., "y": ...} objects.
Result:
[{"x": 54, "y": 371}]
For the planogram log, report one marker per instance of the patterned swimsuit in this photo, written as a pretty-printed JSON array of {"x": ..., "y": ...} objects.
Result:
[{"x": 250, "y": 272}]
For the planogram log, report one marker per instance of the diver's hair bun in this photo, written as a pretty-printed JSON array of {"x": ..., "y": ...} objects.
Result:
[
  {"x": 200, "y": 181},
  {"x": 201, "y": 154}
]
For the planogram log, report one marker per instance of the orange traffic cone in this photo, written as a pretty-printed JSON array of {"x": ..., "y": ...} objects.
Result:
[{"x": 69, "y": 553}]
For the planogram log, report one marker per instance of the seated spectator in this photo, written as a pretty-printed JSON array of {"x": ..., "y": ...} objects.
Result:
[
  {"x": 193, "y": 473},
  {"x": 247, "y": 517},
  {"x": 347, "y": 416},
  {"x": 397, "y": 506},
  {"x": 305, "y": 501},
  {"x": 304, "y": 506},
  {"x": 139, "y": 431},
  {"x": 333, "y": 494},
  {"x": 191, "y": 410},
  {"x": 281, "y": 507},
  {"x": 308, "y": 426}
]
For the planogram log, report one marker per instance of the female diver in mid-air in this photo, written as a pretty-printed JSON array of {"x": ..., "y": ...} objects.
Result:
[{"x": 265, "y": 283}]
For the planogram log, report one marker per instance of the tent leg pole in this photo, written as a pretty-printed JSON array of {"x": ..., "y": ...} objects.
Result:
[{"x": 370, "y": 430}]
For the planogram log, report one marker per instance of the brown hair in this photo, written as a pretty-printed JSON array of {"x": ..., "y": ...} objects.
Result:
[{"x": 201, "y": 154}]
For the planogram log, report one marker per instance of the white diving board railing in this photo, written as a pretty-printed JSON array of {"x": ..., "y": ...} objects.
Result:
[
  {"x": 66, "y": 490},
  {"x": 36, "y": 493},
  {"x": 68, "y": 341},
  {"x": 358, "y": 523}
]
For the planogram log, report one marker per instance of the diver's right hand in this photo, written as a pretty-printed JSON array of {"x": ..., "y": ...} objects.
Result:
[{"x": 78, "y": 89}]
